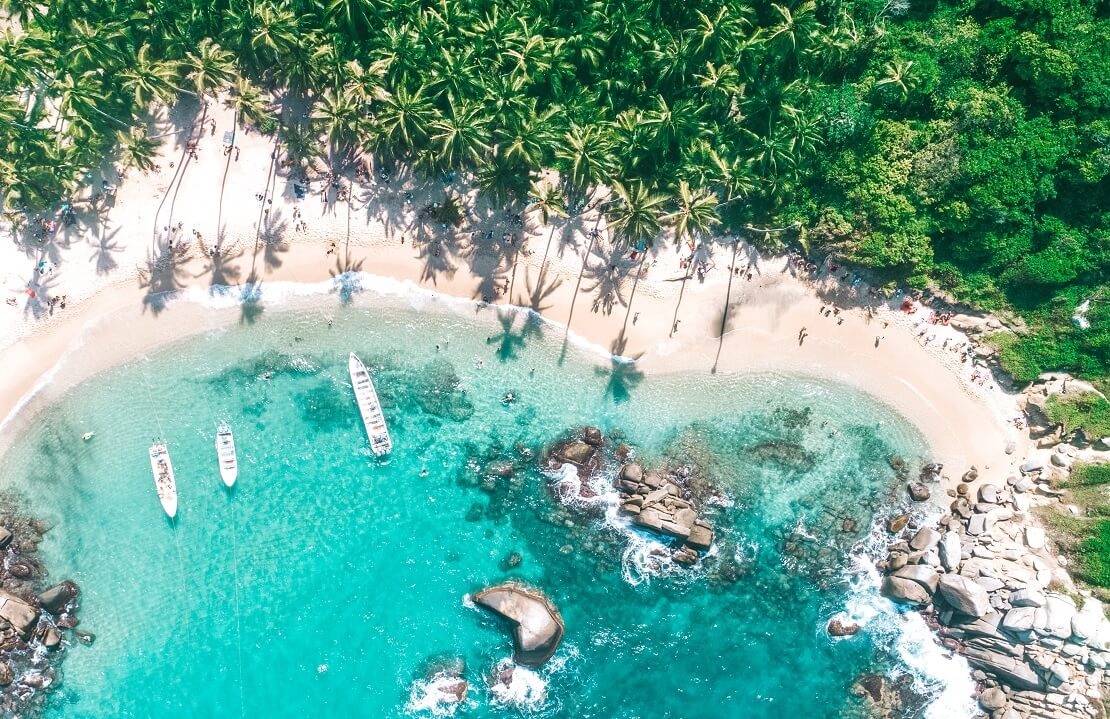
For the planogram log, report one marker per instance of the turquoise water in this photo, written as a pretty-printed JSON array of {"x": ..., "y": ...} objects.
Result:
[{"x": 326, "y": 583}]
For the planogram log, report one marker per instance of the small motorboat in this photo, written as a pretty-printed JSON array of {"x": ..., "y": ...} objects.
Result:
[
  {"x": 225, "y": 453},
  {"x": 164, "y": 482}
]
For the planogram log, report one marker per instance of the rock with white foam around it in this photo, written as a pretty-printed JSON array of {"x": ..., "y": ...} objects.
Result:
[{"x": 537, "y": 625}]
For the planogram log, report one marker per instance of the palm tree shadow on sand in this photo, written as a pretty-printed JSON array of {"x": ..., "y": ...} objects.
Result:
[
  {"x": 624, "y": 375},
  {"x": 161, "y": 276},
  {"x": 541, "y": 290}
]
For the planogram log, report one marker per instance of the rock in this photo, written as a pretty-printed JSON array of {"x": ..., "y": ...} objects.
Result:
[
  {"x": 86, "y": 638},
  {"x": 592, "y": 436},
  {"x": 977, "y": 524},
  {"x": 992, "y": 699},
  {"x": 1027, "y": 598},
  {"x": 895, "y": 562},
  {"x": 700, "y": 537},
  {"x": 632, "y": 473},
  {"x": 964, "y": 595},
  {"x": 963, "y": 489},
  {"x": 894, "y": 525},
  {"x": 1060, "y": 672},
  {"x": 511, "y": 561},
  {"x": 840, "y": 626},
  {"x": 685, "y": 556},
  {"x": 1032, "y": 465},
  {"x": 918, "y": 491},
  {"x": 1059, "y": 612},
  {"x": 652, "y": 479},
  {"x": 51, "y": 638},
  {"x": 1011, "y": 447},
  {"x": 21, "y": 615},
  {"x": 537, "y": 626},
  {"x": 19, "y": 570},
  {"x": 1024, "y": 484},
  {"x": 925, "y": 539},
  {"x": 1059, "y": 460},
  {"x": 904, "y": 590},
  {"x": 7, "y": 676},
  {"x": 1009, "y": 670},
  {"x": 950, "y": 550},
  {"x": 991, "y": 584},
  {"x": 54, "y": 599},
  {"x": 1019, "y": 619},
  {"x": 649, "y": 518},
  {"x": 988, "y": 493},
  {"x": 1084, "y": 625},
  {"x": 923, "y": 574},
  {"x": 577, "y": 452},
  {"x": 1022, "y": 502},
  {"x": 5, "y": 540},
  {"x": 1034, "y": 537}
]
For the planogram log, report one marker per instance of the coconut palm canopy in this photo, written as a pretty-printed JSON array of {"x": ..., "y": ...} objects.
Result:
[{"x": 960, "y": 143}]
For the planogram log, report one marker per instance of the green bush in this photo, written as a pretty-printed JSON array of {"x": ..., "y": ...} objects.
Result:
[
  {"x": 1085, "y": 410},
  {"x": 1089, "y": 475}
]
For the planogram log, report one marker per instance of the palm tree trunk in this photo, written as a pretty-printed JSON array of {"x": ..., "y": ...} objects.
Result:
[
  {"x": 581, "y": 273},
  {"x": 635, "y": 284},
  {"x": 543, "y": 265}
]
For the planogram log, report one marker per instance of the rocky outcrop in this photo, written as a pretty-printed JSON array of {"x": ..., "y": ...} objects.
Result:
[
  {"x": 659, "y": 503},
  {"x": 537, "y": 625},
  {"x": 55, "y": 599},
  {"x": 986, "y": 576}
]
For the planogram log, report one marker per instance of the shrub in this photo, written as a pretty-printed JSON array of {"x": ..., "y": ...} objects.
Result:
[{"x": 1085, "y": 410}]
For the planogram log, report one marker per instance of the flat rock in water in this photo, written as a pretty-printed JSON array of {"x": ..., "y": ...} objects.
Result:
[
  {"x": 700, "y": 537},
  {"x": 964, "y": 595},
  {"x": 918, "y": 491},
  {"x": 576, "y": 452},
  {"x": 537, "y": 625}
]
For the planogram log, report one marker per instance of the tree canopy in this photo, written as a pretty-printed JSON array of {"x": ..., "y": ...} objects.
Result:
[{"x": 963, "y": 144}]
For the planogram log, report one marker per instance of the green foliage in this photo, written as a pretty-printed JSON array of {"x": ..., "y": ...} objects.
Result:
[
  {"x": 1087, "y": 538},
  {"x": 1089, "y": 475},
  {"x": 1080, "y": 410},
  {"x": 965, "y": 145}
]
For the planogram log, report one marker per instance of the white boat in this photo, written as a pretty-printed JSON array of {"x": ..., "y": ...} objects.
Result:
[
  {"x": 225, "y": 452},
  {"x": 164, "y": 482},
  {"x": 370, "y": 407}
]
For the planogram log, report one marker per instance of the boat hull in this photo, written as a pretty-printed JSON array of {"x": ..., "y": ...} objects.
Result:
[
  {"x": 225, "y": 454},
  {"x": 370, "y": 408},
  {"x": 164, "y": 483}
]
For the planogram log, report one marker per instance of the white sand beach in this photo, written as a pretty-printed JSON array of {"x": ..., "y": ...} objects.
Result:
[{"x": 112, "y": 264}]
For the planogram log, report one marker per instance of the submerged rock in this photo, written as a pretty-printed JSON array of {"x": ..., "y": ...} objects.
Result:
[{"x": 537, "y": 626}]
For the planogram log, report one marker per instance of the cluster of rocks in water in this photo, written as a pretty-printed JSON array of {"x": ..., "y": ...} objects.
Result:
[
  {"x": 537, "y": 630},
  {"x": 984, "y": 576},
  {"x": 654, "y": 500},
  {"x": 36, "y": 624}
]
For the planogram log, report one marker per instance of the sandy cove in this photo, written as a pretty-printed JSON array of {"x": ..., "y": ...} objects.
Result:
[{"x": 114, "y": 263}]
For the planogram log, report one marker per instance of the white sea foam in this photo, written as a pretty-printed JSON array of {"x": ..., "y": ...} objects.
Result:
[
  {"x": 937, "y": 673},
  {"x": 517, "y": 686},
  {"x": 437, "y": 695}
]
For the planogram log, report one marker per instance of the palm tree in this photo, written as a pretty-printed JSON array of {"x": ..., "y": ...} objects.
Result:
[
  {"x": 635, "y": 217},
  {"x": 404, "y": 119},
  {"x": 149, "y": 79},
  {"x": 583, "y": 160},
  {"x": 338, "y": 117},
  {"x": 247, "y": 101},
  {"x": 459, "y": 139},
  {"x": 547, "y": 202},
  {"x": 137, "y": 150},
  {"x": 898, "y": 75},
  {"x": 695, "y": 216},
  {"x": 208, "y": 69}
]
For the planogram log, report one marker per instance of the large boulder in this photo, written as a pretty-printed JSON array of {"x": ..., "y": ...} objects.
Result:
[
  {"x": 22, "y": 616},
  {"x": 950, "y": 551},
  {"x": 923, "y": 574},
  {"x": 905, "y": 590},
  {"x": 576, "y": 452},
  {"x": 54, "y": 599},
  {"x": 537, "y": 625},
  {"x": 925, "y": 539},
  {"x": 964, "y": 595},
  {"x": 632, "y": 473},
  {"x": 1019, "y": 619},
  {"x": 1059, "y": 612}
]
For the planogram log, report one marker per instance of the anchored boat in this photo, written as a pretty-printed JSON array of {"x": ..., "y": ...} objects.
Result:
[
  {"x": 225, "y": 452},
  {"x": 164, "y": 482},
  {"x": 369, "y": 407}
]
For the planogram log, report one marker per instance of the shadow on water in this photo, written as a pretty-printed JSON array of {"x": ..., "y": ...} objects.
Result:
[
  {"x": 624, "y": 375},
  {"x": 510, "y": 340},
  {"x": 250, "y": 300}
]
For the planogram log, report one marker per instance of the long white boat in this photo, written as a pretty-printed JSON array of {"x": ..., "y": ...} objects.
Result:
[
  {"x": 225, "y": 452},
  {"x": 164, "y": 482},
  {"x": 370, "y": 407}
]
